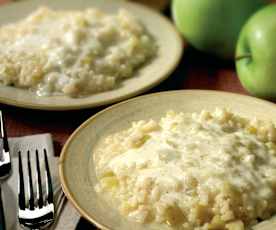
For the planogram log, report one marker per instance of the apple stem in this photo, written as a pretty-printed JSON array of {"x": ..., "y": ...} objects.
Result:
[{"x": 237, "y": 58}]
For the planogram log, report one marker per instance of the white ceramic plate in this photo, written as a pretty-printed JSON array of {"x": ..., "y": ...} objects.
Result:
[
  {"x": 76, "y": 165},
  {"x": 170, "y": 52}
]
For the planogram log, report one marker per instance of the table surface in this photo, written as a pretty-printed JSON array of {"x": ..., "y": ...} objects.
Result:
[{"x": 196, "y": 71}]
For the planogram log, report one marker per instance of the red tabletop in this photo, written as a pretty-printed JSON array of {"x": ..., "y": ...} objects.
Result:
[{"x": 196, "y": 71}]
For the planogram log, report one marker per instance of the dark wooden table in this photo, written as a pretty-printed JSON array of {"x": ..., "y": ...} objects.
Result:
[{"x": 196, "y": 71}]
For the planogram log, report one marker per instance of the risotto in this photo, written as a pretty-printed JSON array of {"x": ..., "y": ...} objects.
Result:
[
  {"x": 73, "y": 53},
  {"x": 209, "y": 170}
]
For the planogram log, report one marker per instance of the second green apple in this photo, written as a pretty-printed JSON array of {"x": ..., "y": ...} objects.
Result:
[
  {"x": 213, "y": 26},
  {"x": 256, "y": 53}
]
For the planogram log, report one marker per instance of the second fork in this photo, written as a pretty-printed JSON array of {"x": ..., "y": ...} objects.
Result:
[{"x": 39, "y": 212}]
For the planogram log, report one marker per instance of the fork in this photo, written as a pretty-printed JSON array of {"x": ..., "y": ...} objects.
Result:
[
  {"x": 5, "y": 160},
  {"x": 5, "y": 166},
  {"x": 39, "y": 212}
]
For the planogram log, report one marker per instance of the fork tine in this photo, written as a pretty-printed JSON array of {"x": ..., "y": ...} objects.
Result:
[
  {"x": 3, "y": 132},
  {"x": 39, "y": 184},
  {"x": 31, "y": 189},
  {"x": 50, "y": 198},
  {"x": 21, "y": 191}
]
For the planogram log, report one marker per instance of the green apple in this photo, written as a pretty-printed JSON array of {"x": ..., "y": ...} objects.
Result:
[
  {"x": 213, "y": 26},
  {"x": 256, "y": 53}
]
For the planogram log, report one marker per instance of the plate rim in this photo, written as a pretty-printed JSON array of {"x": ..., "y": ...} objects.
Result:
[
  {"x": 61, "y": 164},
  {"x": 67, "y": 107}
]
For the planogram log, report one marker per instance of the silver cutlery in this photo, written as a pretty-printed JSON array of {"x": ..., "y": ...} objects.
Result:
[
  {"x": 5, "y": 166},
  {"x": 39, "y": 212},
  {"x": 5, "y": 160}
]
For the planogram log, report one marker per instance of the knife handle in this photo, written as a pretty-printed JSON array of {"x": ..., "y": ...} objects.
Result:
[{"x": 2, "y": 217}]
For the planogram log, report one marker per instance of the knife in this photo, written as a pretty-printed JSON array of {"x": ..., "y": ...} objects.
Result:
[
  {"x": 2, "y": 217},
  {"x": 5, "y": 166}
]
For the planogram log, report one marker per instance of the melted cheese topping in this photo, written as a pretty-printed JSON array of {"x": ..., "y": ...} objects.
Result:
[
  {"x": 73, "y": 52},
  {"x": 201, "y": 171}
]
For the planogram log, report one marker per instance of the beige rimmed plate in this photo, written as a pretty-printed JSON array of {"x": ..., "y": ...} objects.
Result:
[
  {"x": 156, "y": 4},
  {"x": 169, "y": 54},
  {"x": 76, "y": 163}
]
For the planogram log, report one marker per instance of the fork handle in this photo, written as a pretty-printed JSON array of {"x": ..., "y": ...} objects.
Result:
[{"x": 2, "y": 217}]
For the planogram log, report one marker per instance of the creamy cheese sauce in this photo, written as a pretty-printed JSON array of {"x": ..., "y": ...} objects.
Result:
[
  {"x": 74, "y": 53},
  {"x": 202, "y": 171}
]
